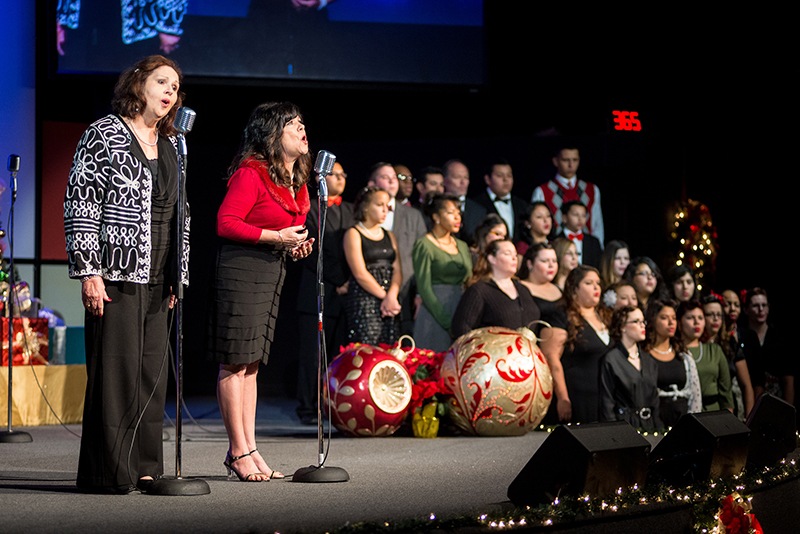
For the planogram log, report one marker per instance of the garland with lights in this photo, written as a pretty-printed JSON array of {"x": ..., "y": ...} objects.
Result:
[
  {"x": 694, "y": 239},
  {"x": 708, "y": 500}
]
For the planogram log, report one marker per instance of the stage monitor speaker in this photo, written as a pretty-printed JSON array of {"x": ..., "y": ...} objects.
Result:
[
  {"x": 773, "y": 431},
  {"x": 593, "y": 459},
  {"x": 700, "y": 446}
]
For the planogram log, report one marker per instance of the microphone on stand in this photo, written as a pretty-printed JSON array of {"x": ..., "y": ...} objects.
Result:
[
  {"x": 13, "y": 168},
  {"x": 184, "y": 120},
  {"x": 323, "y": 167}
]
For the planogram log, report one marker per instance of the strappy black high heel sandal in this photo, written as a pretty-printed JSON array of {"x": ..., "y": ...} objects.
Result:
[
  {"x": 274, "y": 475},
  {"x": 228, "y": 463}
]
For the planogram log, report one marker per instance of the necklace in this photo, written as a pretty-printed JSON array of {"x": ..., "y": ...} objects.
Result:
[
  {"x": 369, "y": 232},
  {"x": 450, "y": 242},
  {"x": 130, "y": 123},
  {"x": 697, "y": 360},
  {"x": 663, "y": 351}
]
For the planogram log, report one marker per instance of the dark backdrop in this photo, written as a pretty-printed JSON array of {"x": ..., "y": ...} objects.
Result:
[{"x": 550, "y": 80}]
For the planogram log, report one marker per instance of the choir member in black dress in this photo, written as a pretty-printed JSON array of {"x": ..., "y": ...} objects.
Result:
[
  {"x": 646, "y": 278},
  {"x": 496, "y": 298},
  {"x": 538, "y": 225},
  {"x": 537, "y": 271},
  {"x": 574, "y": 346},
  {"x": 260, "y": 222},
  {"x": 771, "y": 365},
  {"x": 371, "y": 306},
  {"x": 619, "y": 295},
  {"x": 613, "y": 262},
  {"x": 732, "y": 307},
  {"x": 682, "y": 284},
  {"x": 678, "y": 383},
  {"x": 716, "y": 332},
  {"x": 567, "y": 255},
  {"x": 492, "y": 228},
  {"x": 119, "y": 218},
  {"x": 336, "y": 276},
  {"x": 628, "y": 390}
]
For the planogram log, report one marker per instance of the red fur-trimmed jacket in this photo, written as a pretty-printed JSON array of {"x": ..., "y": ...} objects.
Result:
[{"x": 254, "y": 203}]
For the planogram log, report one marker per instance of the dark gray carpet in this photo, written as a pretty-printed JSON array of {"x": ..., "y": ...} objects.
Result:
[{"x": 391, "y": 478}]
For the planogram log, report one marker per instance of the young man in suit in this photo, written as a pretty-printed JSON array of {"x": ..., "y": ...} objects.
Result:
[
  {"x": 456, "y": 180},
  {"x": 573, "y": 222},
  {"x": 498, "y": 199},
  {"x": 407, "y": 225},
  {"x": 336, "y": 276}
]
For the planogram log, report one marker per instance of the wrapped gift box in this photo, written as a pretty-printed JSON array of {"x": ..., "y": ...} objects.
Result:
[{"x": 30, "y": 344}]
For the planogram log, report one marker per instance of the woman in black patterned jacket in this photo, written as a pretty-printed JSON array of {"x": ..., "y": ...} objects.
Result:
[{"x": 119, "y": 217}]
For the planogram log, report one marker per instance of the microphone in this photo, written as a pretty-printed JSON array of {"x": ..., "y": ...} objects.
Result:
[
  {"x": 13, "y": 168},
  {"x": 184, "y": 119},
  {"x": 323, "y": 168}
]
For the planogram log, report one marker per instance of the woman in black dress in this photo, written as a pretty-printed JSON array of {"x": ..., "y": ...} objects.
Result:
[
  {"x": 537, "y": 272},
  {"x": 645, "y": 276},
  {"x": 496, "y": 297},
  {"x": 574, "y": 346},
  {"x": 119, "y": 212},
  {"x": 678, "y": 381},
  {"x": 259, "y": 222},
  {"x": 371, "y": 306},
  {"x": 628, "y": 390}
]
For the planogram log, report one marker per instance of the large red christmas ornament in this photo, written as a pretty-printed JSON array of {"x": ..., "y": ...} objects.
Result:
[
  {"x": 368, "y": 391},
  {"x": 500, "y": 380}
]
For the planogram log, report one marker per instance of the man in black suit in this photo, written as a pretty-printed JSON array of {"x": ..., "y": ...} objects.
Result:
[
  {"x": 497, "y": 198},
  {"x": 336, "y": 276},
  {"x": 573, "y": 219},
  {"x": 456, "y": 181},
  {"x": 407, "y": 225}
]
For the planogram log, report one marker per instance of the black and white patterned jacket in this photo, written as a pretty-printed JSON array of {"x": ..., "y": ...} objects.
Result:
[
  {"x": 107, "y": 218},
  {"x": 141, "y": 19}
]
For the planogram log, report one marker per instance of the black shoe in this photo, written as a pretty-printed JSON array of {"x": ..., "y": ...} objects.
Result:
[{"x": 144, "y": 484}]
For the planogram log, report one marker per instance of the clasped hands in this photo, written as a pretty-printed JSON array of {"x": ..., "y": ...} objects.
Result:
[{"x": 295, "y": 238}]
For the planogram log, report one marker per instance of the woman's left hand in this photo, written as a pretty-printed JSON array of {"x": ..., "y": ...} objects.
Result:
[{"x": 302, "y": 250}]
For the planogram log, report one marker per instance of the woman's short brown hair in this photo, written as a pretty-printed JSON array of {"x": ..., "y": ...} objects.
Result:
[{"x": 129, "y": 99}]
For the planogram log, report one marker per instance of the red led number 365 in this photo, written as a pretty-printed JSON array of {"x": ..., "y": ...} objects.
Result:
[{"x": 626, "y": 120}]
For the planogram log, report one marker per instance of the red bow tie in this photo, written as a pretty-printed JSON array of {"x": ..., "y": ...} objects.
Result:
[
  {"x": 573, "y": 237},
  {"x": 334, "y": 200},
  {"x": 391, "y": 208}
]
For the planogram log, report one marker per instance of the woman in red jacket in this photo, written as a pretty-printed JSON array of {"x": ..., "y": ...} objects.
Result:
[{"x": 261, "y": 220}]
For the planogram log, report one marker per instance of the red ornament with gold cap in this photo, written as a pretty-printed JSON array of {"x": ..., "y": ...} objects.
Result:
[{"x": 368, "y": 390}]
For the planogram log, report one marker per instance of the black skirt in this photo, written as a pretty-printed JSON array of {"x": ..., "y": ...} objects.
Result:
[{"x": 245, "y": 295}]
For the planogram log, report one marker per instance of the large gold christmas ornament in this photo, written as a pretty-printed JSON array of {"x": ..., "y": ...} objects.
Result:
[
  {"x": 367, "y": 392},
  {"x": 500, "y": 380}
]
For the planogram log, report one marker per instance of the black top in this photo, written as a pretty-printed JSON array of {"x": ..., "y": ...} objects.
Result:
[
  {"x": 628, "y": 394},
  {"x": 164, "y": 199},
  {"x": 485, "y": 304},
  {"x": 581, "y": 363},
  {"x": 769, "y": 362},
  {"x": 671, "y": 372},
  {"x": 548, "y": 308}
]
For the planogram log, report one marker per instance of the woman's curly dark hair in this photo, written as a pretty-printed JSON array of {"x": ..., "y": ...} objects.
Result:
[
  {"x": 653, "y": 309},
  {"x": 618, "y": 322},
  {"x": 261, "y": 140},
  {"x": 575, "y": 321},
  {"x": 128, "y": 100}
]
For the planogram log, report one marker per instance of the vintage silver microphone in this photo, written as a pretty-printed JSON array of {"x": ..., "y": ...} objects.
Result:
[
  {"x": 184, "y": 121},
  {"x": 323, "y": 167}
]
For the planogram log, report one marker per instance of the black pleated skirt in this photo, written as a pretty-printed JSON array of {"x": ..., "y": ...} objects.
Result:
[{"x": 244, "y": 301}]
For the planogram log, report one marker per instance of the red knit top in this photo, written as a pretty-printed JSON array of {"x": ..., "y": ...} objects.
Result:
[{"x": 254, "y": 202}]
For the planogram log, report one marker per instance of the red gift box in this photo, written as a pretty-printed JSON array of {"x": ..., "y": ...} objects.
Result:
[{"x": 30, "y": 341}]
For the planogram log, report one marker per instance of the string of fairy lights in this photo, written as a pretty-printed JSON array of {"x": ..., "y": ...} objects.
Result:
[{"x": 694, "y": 239}]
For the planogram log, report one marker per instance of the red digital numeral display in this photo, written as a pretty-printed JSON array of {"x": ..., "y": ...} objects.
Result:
[{"x": 626, "y": 120}]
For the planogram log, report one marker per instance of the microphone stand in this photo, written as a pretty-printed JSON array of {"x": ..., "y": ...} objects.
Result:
[
  {"x": 9, "y": 435},
  {"x": 320, "y": 472},
  {"x": 178, "y": 485}
]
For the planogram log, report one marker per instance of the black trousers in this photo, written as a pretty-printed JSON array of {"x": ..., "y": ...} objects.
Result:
[{"x": 125, "y": 364}]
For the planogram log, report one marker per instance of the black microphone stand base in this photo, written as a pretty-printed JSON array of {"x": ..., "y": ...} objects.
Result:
[
  {"x": 178, "y": 486},
  {"x": 15, "y": 437},
  {"x": 319, "y": 474}
]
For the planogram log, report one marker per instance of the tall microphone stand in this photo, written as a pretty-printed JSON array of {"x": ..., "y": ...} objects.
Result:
[
  {"x": 178, "y": 485},
  {"x": 320, "y": 472},
  {"x": 9, "y": 435}
]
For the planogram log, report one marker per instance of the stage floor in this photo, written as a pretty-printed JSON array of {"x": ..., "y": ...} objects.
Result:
[{"x": 392, "y": 479}]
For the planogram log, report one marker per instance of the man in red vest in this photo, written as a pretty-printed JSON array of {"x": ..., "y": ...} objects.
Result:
[{"x": 565, "y": 187}]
